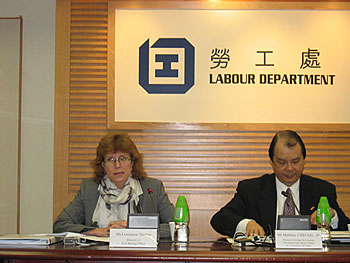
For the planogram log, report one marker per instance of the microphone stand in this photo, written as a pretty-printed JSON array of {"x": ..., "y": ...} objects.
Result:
[{"x": 150, "y": 192}]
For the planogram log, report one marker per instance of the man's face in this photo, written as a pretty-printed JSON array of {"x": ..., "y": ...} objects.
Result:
[{"x": 288, "y": 162}]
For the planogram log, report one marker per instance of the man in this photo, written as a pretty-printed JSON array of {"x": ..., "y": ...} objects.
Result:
[{"x": 255, "y": 207}]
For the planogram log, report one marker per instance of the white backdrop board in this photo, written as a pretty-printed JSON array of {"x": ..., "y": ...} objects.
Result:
[{"x": 249, "y": 66}]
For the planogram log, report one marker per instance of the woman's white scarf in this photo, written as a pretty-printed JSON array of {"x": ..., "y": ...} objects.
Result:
[{"x": 113, "y": 204}]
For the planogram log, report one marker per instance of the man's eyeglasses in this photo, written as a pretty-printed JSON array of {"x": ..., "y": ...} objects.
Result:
[{"x": 122, "y": 160}]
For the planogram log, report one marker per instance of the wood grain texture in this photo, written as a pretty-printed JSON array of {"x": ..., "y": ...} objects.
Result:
[
  {"x": 204, "y": 162},
  {"x": 62, "y": 87}
]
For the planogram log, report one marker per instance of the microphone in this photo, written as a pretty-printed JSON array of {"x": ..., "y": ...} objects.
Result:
[
  {"x": 150, "y": 192},
  {"x": 284, "y": 193},
  {"x": 142, "y": 222}
]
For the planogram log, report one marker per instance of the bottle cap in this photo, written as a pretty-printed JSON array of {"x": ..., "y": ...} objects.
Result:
[
  {"x": 181, "y": 210},
  {"x": 323, "y": 203}
]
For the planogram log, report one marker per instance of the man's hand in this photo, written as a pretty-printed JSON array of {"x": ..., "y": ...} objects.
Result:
[
  {"x": 313, "y": 215},
  {"x": 313, "y": 218},
  {"x": 253, "y": 228}
]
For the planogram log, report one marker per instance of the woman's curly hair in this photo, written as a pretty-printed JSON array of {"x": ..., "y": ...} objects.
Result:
[{"x": 117, "y": 142}]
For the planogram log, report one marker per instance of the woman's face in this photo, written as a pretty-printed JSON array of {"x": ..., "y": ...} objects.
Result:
[{"x": 118, "y": 167}]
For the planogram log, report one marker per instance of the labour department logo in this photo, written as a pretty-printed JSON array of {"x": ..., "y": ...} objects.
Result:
[{"x": 167, "y": 67}]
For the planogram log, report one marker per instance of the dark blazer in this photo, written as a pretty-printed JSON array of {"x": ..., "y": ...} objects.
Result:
[
  {"x": 77, "y": 216},
  {"x": 257, "y": 198}
]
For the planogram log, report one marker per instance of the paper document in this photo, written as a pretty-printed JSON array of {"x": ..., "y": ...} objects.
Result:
[
  {"x": 340, "y": 237},
  {"x": 250, "y": 241},
  {"x": 94, "y": 239},
  {"x": 80, "y": 239}
]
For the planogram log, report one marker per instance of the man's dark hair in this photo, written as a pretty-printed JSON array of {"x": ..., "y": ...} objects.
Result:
[{"x": 291, "y": 137}]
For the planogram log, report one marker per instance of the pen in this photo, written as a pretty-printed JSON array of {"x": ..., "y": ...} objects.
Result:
[{"x": 313, "y": 209}]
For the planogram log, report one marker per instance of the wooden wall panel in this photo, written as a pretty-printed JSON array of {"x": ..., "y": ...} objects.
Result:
[{"x": 202, "y": 162}]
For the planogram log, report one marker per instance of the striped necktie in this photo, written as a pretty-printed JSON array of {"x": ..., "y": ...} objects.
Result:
[{"x": 288, "y": 208}]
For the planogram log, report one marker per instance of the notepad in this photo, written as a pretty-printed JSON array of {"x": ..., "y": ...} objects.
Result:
[{"x": 30, "y": 239}]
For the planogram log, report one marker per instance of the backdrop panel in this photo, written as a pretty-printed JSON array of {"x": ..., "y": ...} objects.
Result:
[{"x": 252, "y": 66}]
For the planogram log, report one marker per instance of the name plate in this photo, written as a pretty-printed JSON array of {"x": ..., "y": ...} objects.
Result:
[
  {"x": 132, "y": 237},
  {"x": 304, "y": 239}
]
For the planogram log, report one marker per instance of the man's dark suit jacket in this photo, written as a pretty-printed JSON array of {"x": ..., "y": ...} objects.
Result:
[{"x": 257, "y": 198}]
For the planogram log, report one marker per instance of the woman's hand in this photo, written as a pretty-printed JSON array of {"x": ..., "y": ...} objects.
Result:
[
  {"x": 98, "y": 232},
  {"x": 117, "y": 224},
  {"x": 104, "y": 232}
]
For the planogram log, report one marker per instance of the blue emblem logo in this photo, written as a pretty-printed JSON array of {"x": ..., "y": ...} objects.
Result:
[{"x": 170, "y": 69}]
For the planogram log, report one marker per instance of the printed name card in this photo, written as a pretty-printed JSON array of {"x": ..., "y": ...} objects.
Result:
[
  {"x": 129, "y": 237},
  {"x": 302, "y": 239}
]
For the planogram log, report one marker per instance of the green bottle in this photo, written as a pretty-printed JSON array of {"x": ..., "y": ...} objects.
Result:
[
  {"x": 181, "y": 210},
  {"x": 323, "y": 218},
  {"x": 181, "y": 221}
]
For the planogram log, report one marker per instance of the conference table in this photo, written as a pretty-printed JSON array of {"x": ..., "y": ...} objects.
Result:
[{"x": 199, "y": 250}]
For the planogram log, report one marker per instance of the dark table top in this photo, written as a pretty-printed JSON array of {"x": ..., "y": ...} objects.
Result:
[{"x": 194, "y": 251}]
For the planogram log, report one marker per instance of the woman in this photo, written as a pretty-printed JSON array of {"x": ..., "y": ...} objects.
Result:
[{"x": 119, "y": 187}]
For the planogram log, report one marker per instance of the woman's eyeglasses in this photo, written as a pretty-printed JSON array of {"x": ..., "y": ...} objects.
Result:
[{"x": 122, "y": 160}]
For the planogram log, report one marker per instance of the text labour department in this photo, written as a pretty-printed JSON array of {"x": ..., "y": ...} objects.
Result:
[{"x": 285, "y": 79}]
